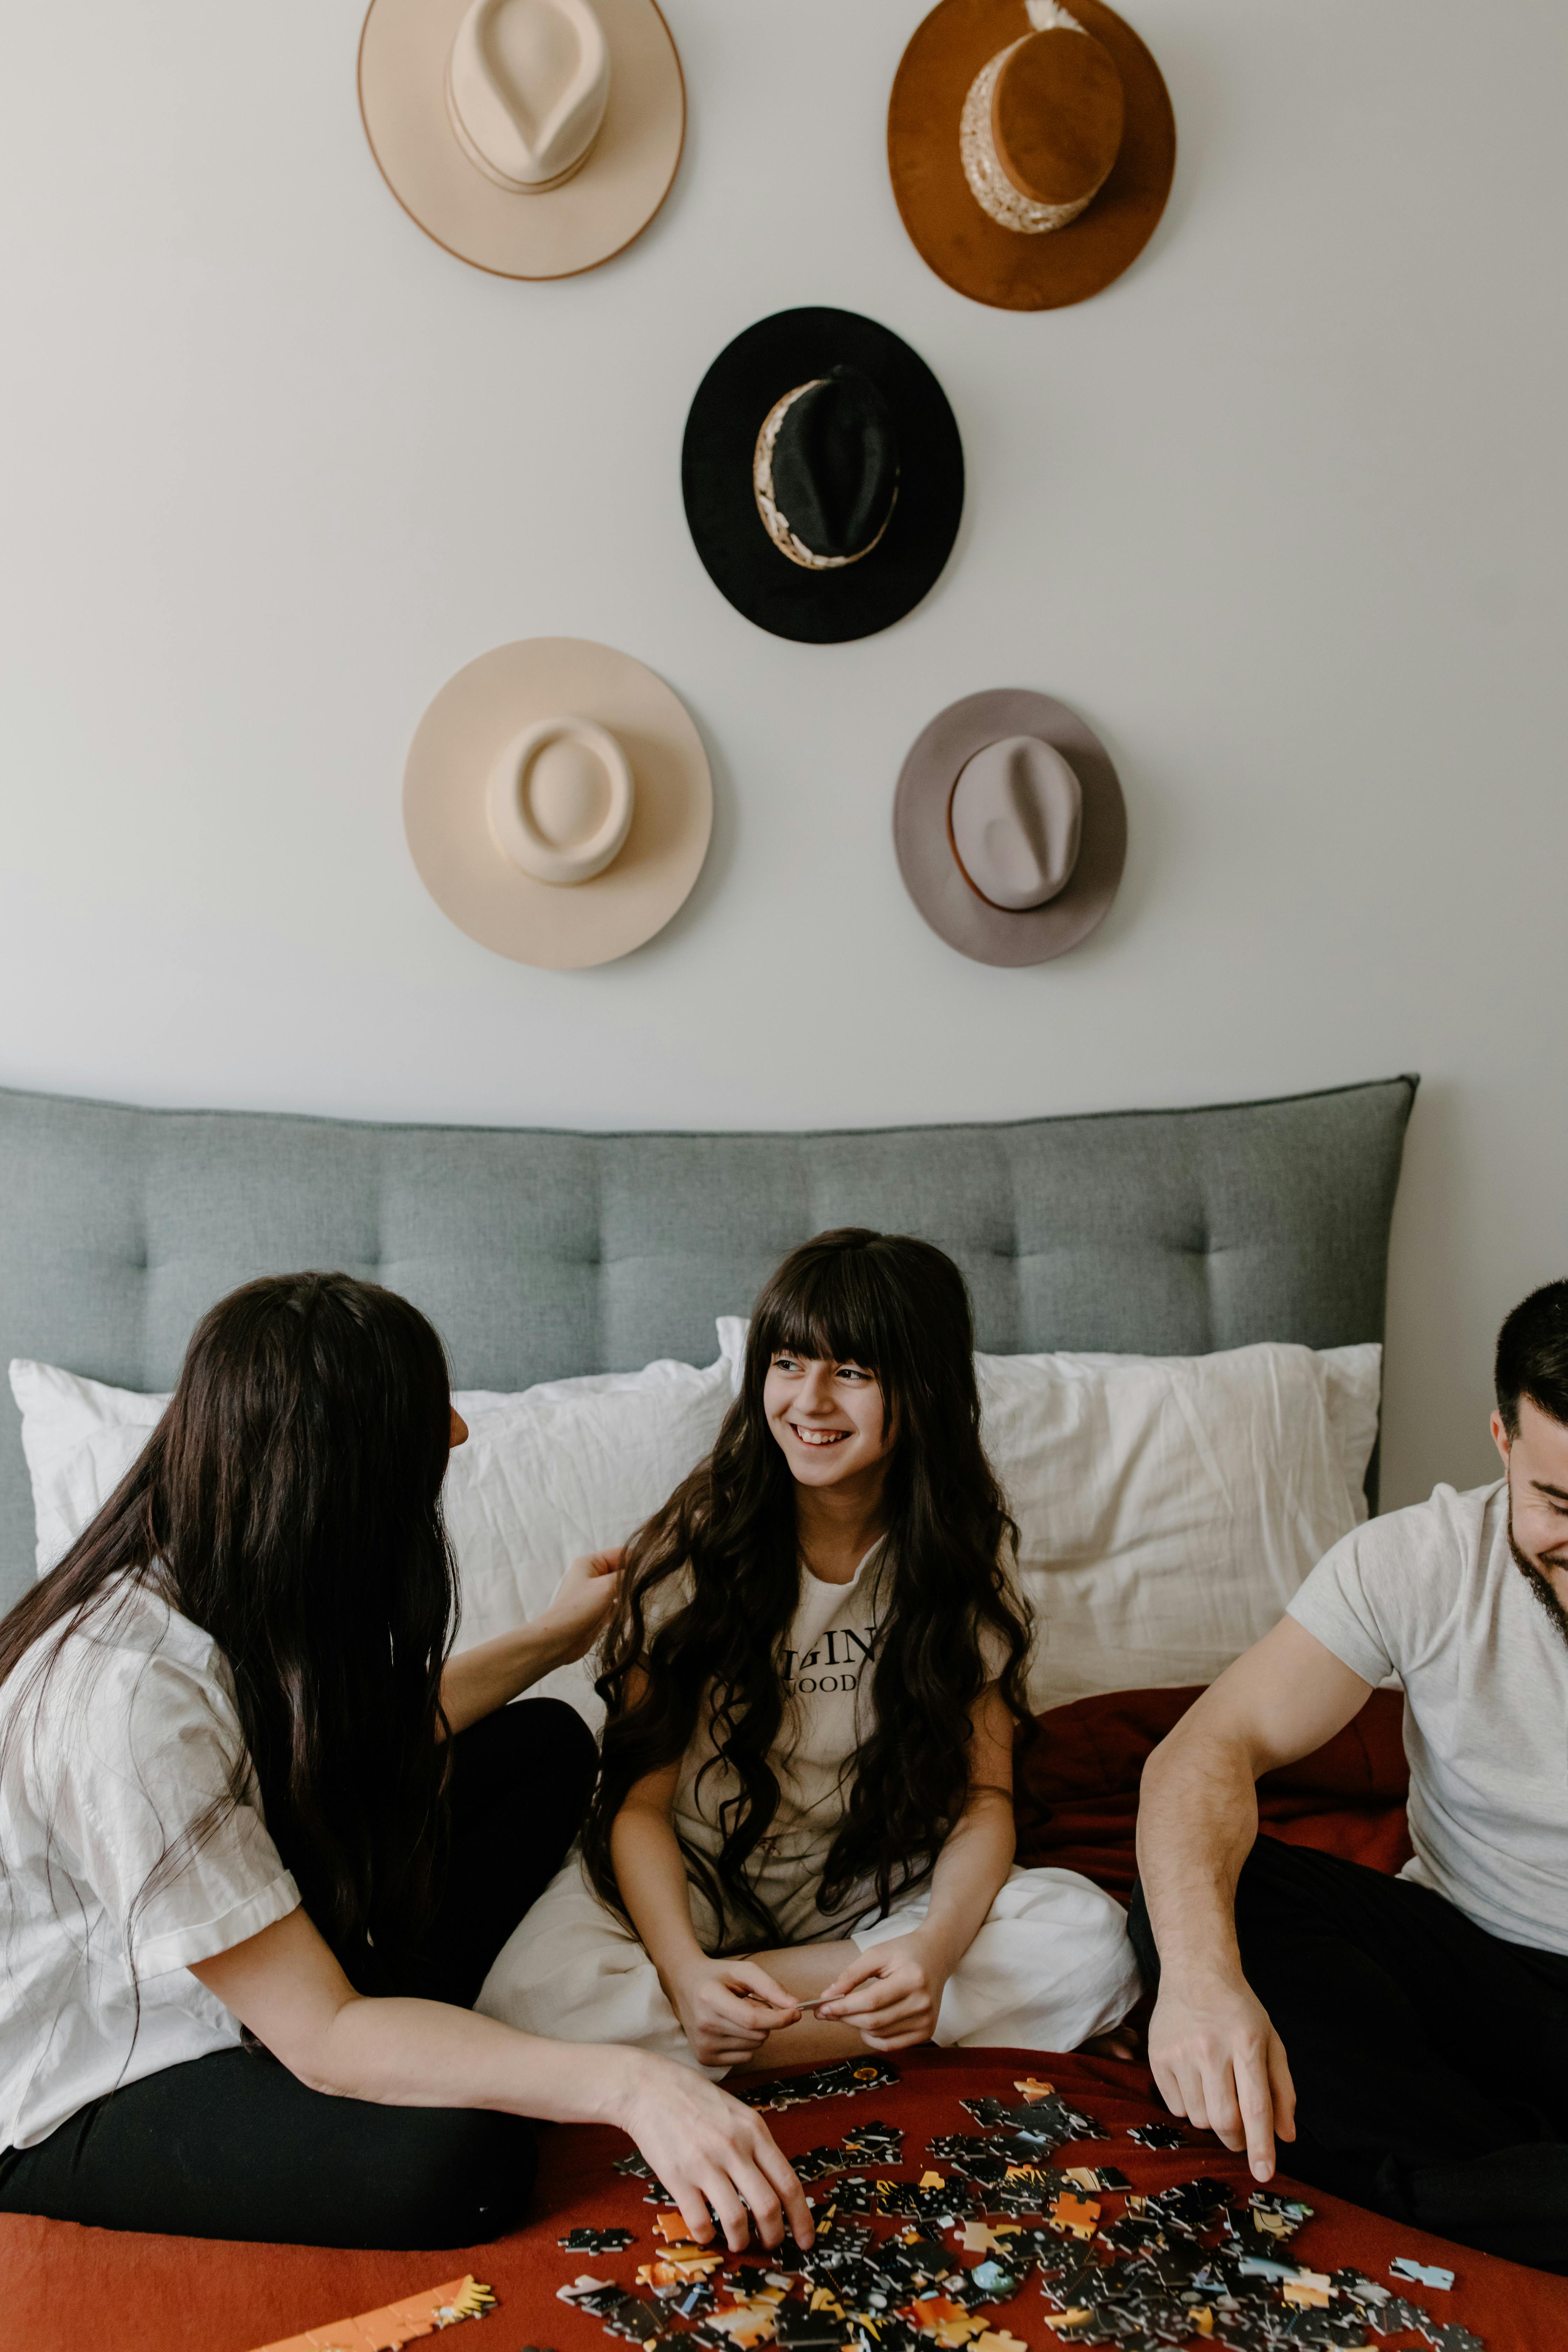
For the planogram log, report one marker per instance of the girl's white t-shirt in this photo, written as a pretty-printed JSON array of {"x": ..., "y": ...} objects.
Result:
[
  {"x": 102, "y": 1773},
  {"x": 825, "y": 1661},
  {"x": 824, "y": 1664}
]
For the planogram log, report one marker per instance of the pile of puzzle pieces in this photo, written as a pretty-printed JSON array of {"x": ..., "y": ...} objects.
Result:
[{"x": 990, "y": 2212}]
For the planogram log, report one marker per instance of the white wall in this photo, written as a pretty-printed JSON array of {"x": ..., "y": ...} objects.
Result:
[{"x": 1282, "y": 513}]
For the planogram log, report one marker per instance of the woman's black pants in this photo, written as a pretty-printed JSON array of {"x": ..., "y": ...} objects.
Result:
[
  {"x": 234, "y": 2146},
  {"x": 1430, "y": 2058}
]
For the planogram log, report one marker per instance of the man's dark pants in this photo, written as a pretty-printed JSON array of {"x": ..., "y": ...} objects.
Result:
[{"x": 1430, "y": 2058}]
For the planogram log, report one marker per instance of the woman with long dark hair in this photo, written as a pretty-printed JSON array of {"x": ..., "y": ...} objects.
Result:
[
  {"x": 814, "y": 1681},
  {"x": 261, "y": 1837}
]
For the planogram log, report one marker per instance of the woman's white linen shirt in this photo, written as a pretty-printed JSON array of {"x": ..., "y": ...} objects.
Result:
[{"x": 133, "y": 1737}]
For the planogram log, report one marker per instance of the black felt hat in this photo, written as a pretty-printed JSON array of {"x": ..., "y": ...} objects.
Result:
[{"x": 822, "y": 475}]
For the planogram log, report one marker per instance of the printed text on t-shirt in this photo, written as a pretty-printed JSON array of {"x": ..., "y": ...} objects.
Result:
[{"x": 832, "y": 1663}]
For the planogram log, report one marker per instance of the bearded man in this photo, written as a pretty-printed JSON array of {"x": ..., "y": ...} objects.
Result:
[{"x": 1409, "y": 2035}]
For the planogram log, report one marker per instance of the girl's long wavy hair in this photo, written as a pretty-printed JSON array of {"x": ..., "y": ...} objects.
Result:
[
  {"x": 897, "y": 1307},
  {"x": 288, "y": 1502}
]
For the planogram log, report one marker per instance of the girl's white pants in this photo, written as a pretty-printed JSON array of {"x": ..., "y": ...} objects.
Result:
[{"x": 1050, "y": 1966}]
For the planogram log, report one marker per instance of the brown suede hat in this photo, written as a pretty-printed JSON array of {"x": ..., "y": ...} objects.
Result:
[{"x": 1032, "y": 148}]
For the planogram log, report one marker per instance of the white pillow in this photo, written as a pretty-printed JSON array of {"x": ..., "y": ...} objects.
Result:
[
  {"x": 567, "y": 1468},
  {"x": 81, "y": 1438},
  {"x": 572, "y": 1466},
  {"x": 1168, "y": 1506}
]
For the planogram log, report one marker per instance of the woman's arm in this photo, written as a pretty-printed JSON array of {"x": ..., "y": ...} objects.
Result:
[
  {"x": 893, "y": 1991},
  {"x": 478, "y": 1681},
  {"x": 712, "y": 2154},
  {"x": 728, "y": 2008}
]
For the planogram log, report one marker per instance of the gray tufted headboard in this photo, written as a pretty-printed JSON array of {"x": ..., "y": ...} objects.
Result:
[{"x": 538, "y": 1255}]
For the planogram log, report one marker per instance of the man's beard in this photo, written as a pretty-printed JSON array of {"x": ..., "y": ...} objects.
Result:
[{"x": 1536, "y": 1580}]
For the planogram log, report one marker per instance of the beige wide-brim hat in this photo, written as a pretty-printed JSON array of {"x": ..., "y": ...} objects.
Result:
[
  {"x": 471, "y": 787},
  {"x": 407, "y": 51},
  {"x": 928, "y": 844}
]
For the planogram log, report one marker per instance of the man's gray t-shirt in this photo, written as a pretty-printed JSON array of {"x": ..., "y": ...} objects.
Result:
[{"x": 1434, "y": 1595}]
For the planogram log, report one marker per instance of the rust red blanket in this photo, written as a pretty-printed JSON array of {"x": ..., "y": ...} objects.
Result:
[
  {"x": 1078, "y": 1789},
  {"x": 71, "y": 2290}
]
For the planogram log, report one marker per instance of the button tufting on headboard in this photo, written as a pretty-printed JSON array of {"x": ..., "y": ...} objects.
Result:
[{"x": 539, "y": 1254}]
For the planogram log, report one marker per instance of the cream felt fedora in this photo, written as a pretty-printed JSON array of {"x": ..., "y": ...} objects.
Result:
[
  {"x": 1010, "y": 827},
  {"x": 533, "y": 138},
  {"x": 557, "y": 801}
]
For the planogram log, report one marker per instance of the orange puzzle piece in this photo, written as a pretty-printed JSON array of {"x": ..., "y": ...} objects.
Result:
[
  {"x": 1078, "y": 2215},
  {"x": 939, "y": 2316},
  {"x": 746, "y": 2323},
  {"x": 1032, "y": 2090},
  {"x": 396, "y": 2324}
]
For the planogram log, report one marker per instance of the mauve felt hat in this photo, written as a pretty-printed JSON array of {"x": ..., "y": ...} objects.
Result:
[
  {"x": 557, "y": 801},
  {"x": 1032, "y": 148},
  {"x": 533, "y": 138},
  {"x": 822, "y": 475},
  {"x": 1010, "y": 827}
]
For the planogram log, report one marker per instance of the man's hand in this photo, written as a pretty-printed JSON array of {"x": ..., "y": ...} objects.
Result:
[
  {"x": 584, "y": 1598},
  {"x": 715, "y": 2156},
  {"x": 729, "y": 2008},
  {"x": 891, "y": 1993},
  {"x": 1218, "y": 2060}
]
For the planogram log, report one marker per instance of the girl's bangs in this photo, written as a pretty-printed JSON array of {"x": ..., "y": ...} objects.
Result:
[{"x": 831, "y": 1316}]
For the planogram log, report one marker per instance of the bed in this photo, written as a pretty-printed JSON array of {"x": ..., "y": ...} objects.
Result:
[{"x": 540, "y": 1255}]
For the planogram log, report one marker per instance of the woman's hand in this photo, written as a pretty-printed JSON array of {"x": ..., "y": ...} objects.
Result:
[
  {"x": 584, "y": 1598},
  {"x": 891, "y": 1993},
  {"x": 714, "y": 2156},
  {"x": 729, "y": 2008},
  {"x": 476, "y": 1681}
]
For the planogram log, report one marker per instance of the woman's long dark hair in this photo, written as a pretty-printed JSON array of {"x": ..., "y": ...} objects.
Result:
[
  {"x": 898, "y": 1308},
  {"x": 288, "y": 1502}
]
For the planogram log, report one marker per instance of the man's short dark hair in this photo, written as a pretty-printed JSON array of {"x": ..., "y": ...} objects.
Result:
[{"x": 1532, "y": 1356}]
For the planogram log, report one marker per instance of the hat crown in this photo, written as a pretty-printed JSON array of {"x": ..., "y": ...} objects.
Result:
[
  {"x": 836, "y": 464},
  {"x": 1015, "y": 822},
  {"x": 528, "y": 82},
  {"x": 561, "y": 800},
  {"x": 1057, "y": 111}
]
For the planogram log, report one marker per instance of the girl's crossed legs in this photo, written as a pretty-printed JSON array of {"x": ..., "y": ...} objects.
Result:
[{"x": 1051, "y": 1967}]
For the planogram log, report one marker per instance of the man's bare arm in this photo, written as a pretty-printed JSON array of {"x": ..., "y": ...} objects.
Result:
[{"x": 1214, "y": 2054}]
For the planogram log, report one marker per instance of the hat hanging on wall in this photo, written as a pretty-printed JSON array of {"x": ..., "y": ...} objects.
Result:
[
  {"x": 1032, "y": 150},
  {"x": 533, "y": 138},
  {"x": 1010, "y": 827},
  {"x": 822, "y": 475},
  {"x": 557, "y": 801}
]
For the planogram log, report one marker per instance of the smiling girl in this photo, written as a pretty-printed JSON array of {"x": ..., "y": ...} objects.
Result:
[{"x": 801, "y": 1845}]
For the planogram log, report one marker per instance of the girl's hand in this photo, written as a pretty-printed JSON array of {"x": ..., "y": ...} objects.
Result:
[
  {"x": 729, "y": 2008},
  {"x": 584, "y": 1598},
  {"x": 713, "y": 2155},
  {"x": 891, "y": 1993}
]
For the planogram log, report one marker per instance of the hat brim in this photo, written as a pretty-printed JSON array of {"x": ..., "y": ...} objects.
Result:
[
  {"x": 731, "y": 405},
  {"x": 932, "y": 875},
  {"x": 557, "y": 232},
  {"x": 976, "y": 256},
  {"x": 456, "y": 745}
]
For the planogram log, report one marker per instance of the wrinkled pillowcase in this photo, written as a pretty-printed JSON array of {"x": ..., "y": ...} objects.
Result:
[{"x": 1168, "y": 1506}]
